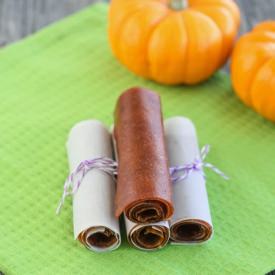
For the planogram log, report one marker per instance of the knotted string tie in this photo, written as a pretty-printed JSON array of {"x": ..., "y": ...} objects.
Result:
[
  {"x": 110, "y": 166},
  {"x": 75, "y": 179},
  {"x": 196, "y": 166}
]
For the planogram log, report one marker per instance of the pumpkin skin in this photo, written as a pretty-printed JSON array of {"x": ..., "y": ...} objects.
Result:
[
  {"x": 173, "y": 46},
  {"x": 253, "y": 69}
]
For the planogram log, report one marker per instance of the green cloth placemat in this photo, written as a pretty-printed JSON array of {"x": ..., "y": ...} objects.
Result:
[{"x": 66, "y": 73}]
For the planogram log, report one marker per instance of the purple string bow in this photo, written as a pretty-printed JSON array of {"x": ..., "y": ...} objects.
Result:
[
  {"x": 110, "y": 166},
  {"x": 74, "y": 180},
  {"x": 196, "y": 166}
]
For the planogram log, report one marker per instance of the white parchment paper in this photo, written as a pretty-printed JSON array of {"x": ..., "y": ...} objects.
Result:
[
  {"x": 93, "y": 204},
  {"x": 189, "y": 195}
]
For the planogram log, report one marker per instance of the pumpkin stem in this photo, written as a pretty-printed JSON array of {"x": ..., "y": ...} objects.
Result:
[{"x": 178, "y": 4}]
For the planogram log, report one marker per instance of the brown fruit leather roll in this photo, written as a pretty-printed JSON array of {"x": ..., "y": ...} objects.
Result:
[
  {"x": 148, "y": 237},
  {"x": 143, "y": 185}
]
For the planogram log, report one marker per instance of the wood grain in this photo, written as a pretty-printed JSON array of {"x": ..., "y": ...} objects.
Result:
[
  {"x": 255, "y": 11},
  {"x": 19, "y": 18}
]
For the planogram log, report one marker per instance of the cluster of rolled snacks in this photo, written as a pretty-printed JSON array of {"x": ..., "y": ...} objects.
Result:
[
  {"x": 95, "y": 224},
  {"x": 154, "y": 208}
]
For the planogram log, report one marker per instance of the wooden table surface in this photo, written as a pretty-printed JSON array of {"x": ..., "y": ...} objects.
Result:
[{"x": 19, "y": 18}]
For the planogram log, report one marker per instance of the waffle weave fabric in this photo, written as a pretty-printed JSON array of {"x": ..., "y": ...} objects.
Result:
[{"x": 66, "y": 73}]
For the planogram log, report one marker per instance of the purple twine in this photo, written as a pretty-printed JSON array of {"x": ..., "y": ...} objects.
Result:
[
  {"x": 110, "y": 166},
  {"x": 75, "y": 179},
  {"x": 196, "y": 166}
]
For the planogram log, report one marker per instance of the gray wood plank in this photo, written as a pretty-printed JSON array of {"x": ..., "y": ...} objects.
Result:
[
  {"x": 255, "y": 11},
  {"x": 19, "y": 18}
]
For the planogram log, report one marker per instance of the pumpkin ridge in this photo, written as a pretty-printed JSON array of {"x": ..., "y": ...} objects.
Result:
[
  {"x": 149, "y": 41},
  {"x": 151, "y": 28},
  {"x": 242, "y": 45},
  {"x": 227, "y": 25},
  {"x": 268, "y": 25},
  {"x": 221, "y": 5},
  {"x": 178, "y": 14},
  {"x": 116, "y": 46},
  {"x": 189, "y": 31},
  {"x": 255, "y": 38},
  {"x": 254, "y": 80},
  {"x": 120, "y": 26},
  {"x": 187, "y": 44},
  {"x": 122, "y": 23},
  {"x": 187, "y": 52},
  {"x": 221, "y": 32}
]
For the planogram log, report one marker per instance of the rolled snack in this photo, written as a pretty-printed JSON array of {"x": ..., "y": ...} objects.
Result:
[
  {"x": 143, "y": 186},
  {"x": 191, "y": 222},
  {"x": 95, "y": 224},
  {"x": 147, "y": 237}
]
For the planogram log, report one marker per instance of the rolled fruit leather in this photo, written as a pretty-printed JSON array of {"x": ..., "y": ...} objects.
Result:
[
  {"x": 143, "y": 184},
  {"x": 95, "y": 224},
  {"x": 191, "y": 222},
  {"x": 146, "y": 237}
]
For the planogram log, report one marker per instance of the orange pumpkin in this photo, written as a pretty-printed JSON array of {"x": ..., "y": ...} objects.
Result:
[
  {"x": 173, "y": 41},
  {"x": 253, "y": 69}
]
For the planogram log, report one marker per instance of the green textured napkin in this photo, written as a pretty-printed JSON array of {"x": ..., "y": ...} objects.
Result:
[{"x": 66, "y": 73}]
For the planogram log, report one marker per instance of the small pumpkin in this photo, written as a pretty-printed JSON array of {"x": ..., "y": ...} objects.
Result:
[
  {"x": 253, "y": 69},
  {"x": 173, "y": 41}
]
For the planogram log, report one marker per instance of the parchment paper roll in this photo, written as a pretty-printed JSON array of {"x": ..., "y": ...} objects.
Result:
[
  {"x": 191, "y": 222},
  {"x": 95, "y": 224},
  {"x": 147, "y": 237},
  {"x": 143, "y": 186}
]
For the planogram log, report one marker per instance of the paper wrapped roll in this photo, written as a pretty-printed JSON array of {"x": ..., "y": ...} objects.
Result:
[
  {"x": 95, "y": 224},
  {"x": 191, "y": 222},
  {"x": 143, "y": 186},
  {"x": 147, "y": 237}
]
